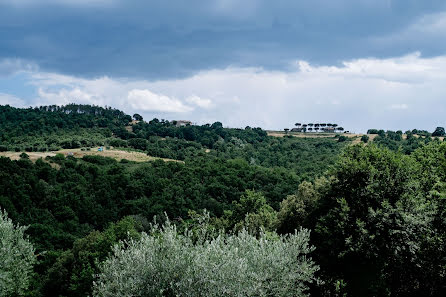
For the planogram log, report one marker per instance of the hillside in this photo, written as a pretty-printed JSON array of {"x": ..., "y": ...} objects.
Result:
[{"x": 361, "y": 202}]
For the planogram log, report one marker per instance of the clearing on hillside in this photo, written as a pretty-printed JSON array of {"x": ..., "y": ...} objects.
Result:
[{"x": 78, "y": 153}]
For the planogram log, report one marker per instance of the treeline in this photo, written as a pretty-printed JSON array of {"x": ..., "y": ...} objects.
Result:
[
  {"x": 53, "y": 127},
  {"x": 407, "y": 142},
  {"x": 47, "y": 119},
  {"x": 39, "y": 128}
]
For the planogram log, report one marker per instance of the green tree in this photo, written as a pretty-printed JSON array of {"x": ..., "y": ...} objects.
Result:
[
  {"x": 365, "y": 138},
  {"x": 342, "y": 138},
  {"x": 169, "y": 263},
  {"x": 252, "y": 213},
  {"x": 75, "y": 270},
  {"x": 137, "y": 117},
  {"x": 377, "y": 223},
  {"x": 439, "y": 131},
  {"x": 16, "y": 258},
  {"x": 296, "y": 209}
]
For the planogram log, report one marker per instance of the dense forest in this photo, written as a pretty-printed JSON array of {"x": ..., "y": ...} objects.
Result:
[{"x": 240, "y": 213}]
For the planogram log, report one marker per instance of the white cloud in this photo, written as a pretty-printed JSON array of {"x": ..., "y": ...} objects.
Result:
[
  {"x": 360, "y": 94},
  {"x": 7, "y": 99},
  {"x": 145, "y": 100},
  {"x": 130, "y": 96},
  {"x": 66, "y": 96},
  {"x": 200, "y": 102},
  {"x": 407, "y": 69}
]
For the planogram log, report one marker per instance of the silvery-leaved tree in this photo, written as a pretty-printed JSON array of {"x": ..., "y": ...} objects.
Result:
[
  {"x": 168, "y": 263},
  {"x": 16, "y": 258}
]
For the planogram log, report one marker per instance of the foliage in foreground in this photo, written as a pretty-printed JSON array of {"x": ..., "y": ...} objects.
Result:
[
  {"x": 380, "y": 222},
  {"x": 16, "y": 258},
  {"x": 168, "y": 263}
]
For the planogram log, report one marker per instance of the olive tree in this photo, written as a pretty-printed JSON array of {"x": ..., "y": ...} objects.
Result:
[
  {"x": 16, "y": 258},
  {"x": 168, "y": 263}
]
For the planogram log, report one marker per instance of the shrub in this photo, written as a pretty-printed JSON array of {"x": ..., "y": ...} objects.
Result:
[
  {"x": 16, "y": 258},
  {"x": 24, "y": 156},
  {"x": 167, "y": 263},
  {"x": 439, "y": 131},
  {"x": 98, "y": 160},
  {"x": 342, "y": 138}
]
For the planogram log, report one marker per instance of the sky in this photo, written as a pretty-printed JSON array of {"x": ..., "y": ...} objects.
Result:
[{"x": 358, "y": 63}]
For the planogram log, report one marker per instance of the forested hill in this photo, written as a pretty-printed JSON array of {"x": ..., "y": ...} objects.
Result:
[
  {"x": 63, "y": 199},
  {"x": 50, "y": 128},
  {"x": 47, "y": 119},
  {"x": 376, "y": 212},
  {"x": 34, "y": 127}
]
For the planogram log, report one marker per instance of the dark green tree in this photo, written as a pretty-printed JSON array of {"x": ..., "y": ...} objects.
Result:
[
  {"x": 439, "y": 131},
  {"x": 137, "y": 117}
]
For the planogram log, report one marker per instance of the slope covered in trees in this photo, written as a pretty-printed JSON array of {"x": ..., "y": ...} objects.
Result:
[{"x": 375, "y": 213}]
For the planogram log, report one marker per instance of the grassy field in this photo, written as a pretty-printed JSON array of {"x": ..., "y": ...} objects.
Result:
[
  {"x": 78, "y": 153},
  {"x": 317, "y": 135},
  {"x": 356, "y": 138}
]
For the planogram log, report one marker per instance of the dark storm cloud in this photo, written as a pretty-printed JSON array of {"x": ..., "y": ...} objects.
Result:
[{"x": 167, "y": 39}]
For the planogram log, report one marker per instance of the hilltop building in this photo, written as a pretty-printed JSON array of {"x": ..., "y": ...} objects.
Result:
[
  {"x": 297, "y": 130},
  {"x": 182, "y": 123}
]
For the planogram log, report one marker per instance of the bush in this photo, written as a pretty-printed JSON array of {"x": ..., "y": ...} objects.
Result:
[
  {"x": 16, "y": 258},
  {"x": 167, "y": 263},
  {"x": 365, "y": 138},
  {"x": 24, "y": 156},
  {"x": 439, "y": 131},
  {"x": 342, "y": 138},
  {"x": 118, "y": 143},
  {"x": 59, "y": 158},
  {"x": 98, "y": 160}
]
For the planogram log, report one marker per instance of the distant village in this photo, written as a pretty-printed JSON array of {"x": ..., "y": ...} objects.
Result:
[{"x": 317, "y": 127}]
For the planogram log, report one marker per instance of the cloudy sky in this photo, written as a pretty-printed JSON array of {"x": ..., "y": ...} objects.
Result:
[{"x": 359, "y": 63}]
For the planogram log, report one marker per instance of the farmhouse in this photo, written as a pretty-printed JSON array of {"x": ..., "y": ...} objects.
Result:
[
  {"x": 182, "y": 123},
  {"x": 297, "y": 130},
  {"x": 328, "y": 130}
]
